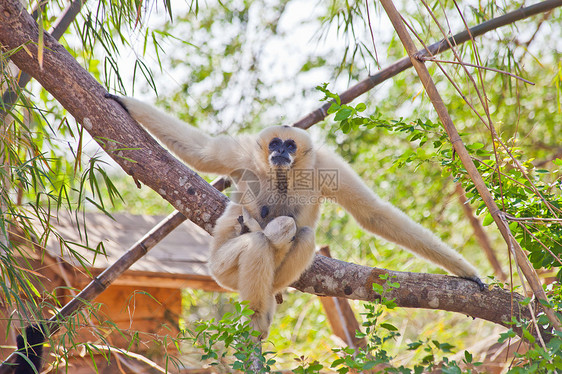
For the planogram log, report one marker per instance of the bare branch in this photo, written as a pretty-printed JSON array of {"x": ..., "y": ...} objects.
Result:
[{"x": 433, "y": 59}]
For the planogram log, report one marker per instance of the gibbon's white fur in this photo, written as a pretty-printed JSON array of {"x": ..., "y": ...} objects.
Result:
[{"x": 264, "y": 243}]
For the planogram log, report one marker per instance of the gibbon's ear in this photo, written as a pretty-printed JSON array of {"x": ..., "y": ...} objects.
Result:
[{"x": 30, "y": 350}]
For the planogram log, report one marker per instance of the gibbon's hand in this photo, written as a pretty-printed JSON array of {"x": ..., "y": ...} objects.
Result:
[{"x": 117, "y": 99}]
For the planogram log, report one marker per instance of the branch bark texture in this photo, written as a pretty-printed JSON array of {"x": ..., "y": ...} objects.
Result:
[{"x": 332, "y": 277}]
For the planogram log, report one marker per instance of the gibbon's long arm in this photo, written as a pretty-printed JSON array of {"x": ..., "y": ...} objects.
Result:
[
  {"x": 387, "y": 221},
  {"x": 218, "y": 155}
]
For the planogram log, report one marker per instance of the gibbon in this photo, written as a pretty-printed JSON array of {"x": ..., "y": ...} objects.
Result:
[{"x": 264, "y": 240}]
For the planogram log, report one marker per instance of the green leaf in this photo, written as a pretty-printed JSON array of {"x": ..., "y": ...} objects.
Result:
[
  {"x": 343, "y": 113},
  {"x": 369, "y": 365},
  {"x": 509, "y": 334},
  {"x": 333, "y": 108},
  {"x": 388, "y": 326},
  {"x": 488, "y": 220},
  {"x": 378, "y": 288},
  {"x": 414, "y": 345},
  {"x": 345, "y": 127},
  {"x": 527, "y": 335}
]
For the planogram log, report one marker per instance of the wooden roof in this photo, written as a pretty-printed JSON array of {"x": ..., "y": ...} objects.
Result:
[{"x": 180, "y": 259}]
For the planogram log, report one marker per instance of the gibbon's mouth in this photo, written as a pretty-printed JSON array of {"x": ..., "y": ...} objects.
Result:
[{"x": 280, "y": 161}]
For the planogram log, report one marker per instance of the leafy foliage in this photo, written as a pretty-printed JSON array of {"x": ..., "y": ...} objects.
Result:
[
  {"x": 525, "y": 193},
  {"x": 231, "y": 336}
]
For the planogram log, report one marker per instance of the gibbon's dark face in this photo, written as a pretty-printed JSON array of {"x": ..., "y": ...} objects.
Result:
[
  {"x": 284, "y": 147},
  {"x": 282, "y": 152}
]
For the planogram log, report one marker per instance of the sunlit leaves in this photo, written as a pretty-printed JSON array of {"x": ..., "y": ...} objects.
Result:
[{"x": 231, "y": 335}]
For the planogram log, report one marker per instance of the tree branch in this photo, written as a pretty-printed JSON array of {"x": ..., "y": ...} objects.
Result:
[
  {"x": 335, "y": 278},
  {"x": 435, "y": 48}
]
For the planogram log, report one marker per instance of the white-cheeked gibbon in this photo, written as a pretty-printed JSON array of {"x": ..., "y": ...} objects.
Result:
[{"x": 264, "y": 241}]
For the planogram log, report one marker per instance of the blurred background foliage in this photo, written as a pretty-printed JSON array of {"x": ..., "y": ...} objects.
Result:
[{"x": 236, "y": 66}]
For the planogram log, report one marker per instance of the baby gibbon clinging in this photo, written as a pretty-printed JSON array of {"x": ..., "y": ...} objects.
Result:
[{"x": 265, "y": 240}]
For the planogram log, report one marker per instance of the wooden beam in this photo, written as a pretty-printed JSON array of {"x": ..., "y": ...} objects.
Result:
[{"x": 163, "y": 280}]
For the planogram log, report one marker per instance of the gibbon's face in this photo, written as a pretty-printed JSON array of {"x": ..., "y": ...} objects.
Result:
[
  {"x": 282, "y": 152},
  {"x": 284, "y": 146}
]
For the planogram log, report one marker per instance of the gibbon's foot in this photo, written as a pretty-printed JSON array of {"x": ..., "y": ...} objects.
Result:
[
  {"x": 281, "y": 230},
  {"x": 117, "y": 99},
  {"x": 260, "y": 322},
  {"x": 478, "y": 281}
]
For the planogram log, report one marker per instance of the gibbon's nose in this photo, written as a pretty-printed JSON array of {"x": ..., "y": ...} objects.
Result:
[{"x": 281, "y": 230}]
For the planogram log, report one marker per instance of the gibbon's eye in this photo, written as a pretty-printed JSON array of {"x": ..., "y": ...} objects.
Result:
[
  {"x": 290, "y": 146},
  {"x": 274, "y": 144}
]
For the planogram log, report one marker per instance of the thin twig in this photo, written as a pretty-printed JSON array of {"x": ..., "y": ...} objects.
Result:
[
  {"x": 371, "y": 30},
  {"x": 532, "y": 219},
  {"x": 433, "y": 59}
]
